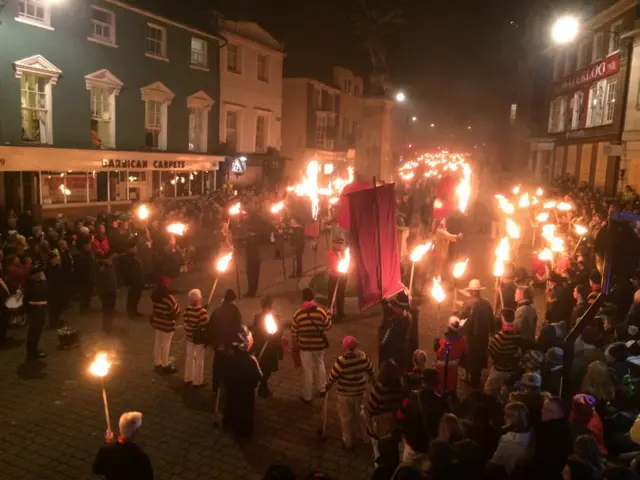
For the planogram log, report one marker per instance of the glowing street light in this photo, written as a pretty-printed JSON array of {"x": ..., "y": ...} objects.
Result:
[
  {"x": 414, "y": 119},
  {"x": 400, "y": 97},
  {"x": 565, "y": 29},
  {"x": 432, "y": 125}
]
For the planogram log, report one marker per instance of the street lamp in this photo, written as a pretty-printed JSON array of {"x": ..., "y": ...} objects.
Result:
[
  {"x": 433, "y": 125},
  {"x": 565, "y": 29},
  {"x": 414, "y": 119},
  {"x": 400, "y": 97}
]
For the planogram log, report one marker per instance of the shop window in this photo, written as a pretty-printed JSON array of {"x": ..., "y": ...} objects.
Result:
[
  {"x": 261, "y": 133},
  {"x": 182, "y": 184},
  {"x": 196, "y": 180},
  {"x": 167, "y": 184},
  {"x": 53, "y": 188},
  {"x": 76, "y": 185},
  {"x": 99, "y": 187}
]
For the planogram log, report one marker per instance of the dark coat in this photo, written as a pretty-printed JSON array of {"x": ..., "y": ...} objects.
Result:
[
  {"x": 241, "y": 377},
  {"x": 131, "y": 269},
  {"x": 122, "y": 461},
  {"x": 553, "y": 446},
  {"x": 224, "y": 324},
  {"x": 394, "y": 340},
  {"x": 271, "y": 355},
  {"x": 578, "y": 311},
  {"x": 479, "y": 325},
  {"x": 419, "y": 418},
  {"x": 509, "y": 295}
]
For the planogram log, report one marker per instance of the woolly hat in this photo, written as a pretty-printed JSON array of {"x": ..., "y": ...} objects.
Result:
[
  {"x": 350, "y": 342},
  {"x": 554, "y": 356},
  {"x": 531, "y": 380}
]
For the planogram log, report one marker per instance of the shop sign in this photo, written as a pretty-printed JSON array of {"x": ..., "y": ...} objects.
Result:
[
  {"x": 239, "y": 166},
  {"x": 606, "y": 67},
  {"x": 143, "y": 164}
]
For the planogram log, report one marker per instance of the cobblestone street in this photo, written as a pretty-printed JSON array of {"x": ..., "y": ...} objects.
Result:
[{"x": 52, "y": 419}]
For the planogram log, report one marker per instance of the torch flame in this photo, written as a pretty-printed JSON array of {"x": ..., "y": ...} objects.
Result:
[
  {"x": 463, "y": 191},
  {"x": 512, "y": 229},
  {"x": 437, "y": 292},
  {"x": 437, "y": 203},
  {"x": 502, "y": 252},
  {"x": 557, "y": 245},
  {"x": 542, "y": 217},
  {"x": 235, "y": 209},
  {"x": 223, "y": 262},
  {"x": 333, "y": 200},
  {"x": 564, "y": 207},
  {"x": 408, "y": 176},
  {"x": 548, "y": 232},
  {"x": 100, "y": 366},
  {"x": 277, "y": 207},
  {"x": 524, "y": 201},
  {"x": 143, "y": 212},
  {"x": 459, "y": 268},
  {"x": 551, "y": 204},
  {"x": 498, "y": 268},
  {"x": 546, "y": 255},
  {"x": 516, "y": 190},
  {"x": 420, "y": 250},
  {"x": 343, "y": 263},
  {"x": 539, "y": 192},
  {"x": 580, "y": 230},
  {"x": 177, "y": 228},
  {"x": 270, "y": 323}
]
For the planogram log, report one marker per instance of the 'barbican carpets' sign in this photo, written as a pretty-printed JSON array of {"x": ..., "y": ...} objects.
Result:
[
  {"x": 604, "y": 68},
  {"x": 143, "y": 164}
]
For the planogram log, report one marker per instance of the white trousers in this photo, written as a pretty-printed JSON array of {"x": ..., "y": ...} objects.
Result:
[
  {"x": 194, "y": 363},
  {"x": 312, "y": 361},
  {"x": 161, "y": 348},
  {"x": 352, "y": 421},
  {"x": 495, "y": 381}
]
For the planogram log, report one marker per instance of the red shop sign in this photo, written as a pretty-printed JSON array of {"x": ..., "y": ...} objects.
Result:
[{"x": 606, "y": 67}]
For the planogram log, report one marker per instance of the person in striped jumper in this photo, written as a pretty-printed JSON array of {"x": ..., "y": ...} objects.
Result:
[
  {"x": 383, "y": 403},
  {"x": 309, "y": 327},
  {"x": 163, "y": 320},
  {"x": 504, "y": 351},
  {"x": 350, "y": 373},
  {"x": 195, "y": 318}
]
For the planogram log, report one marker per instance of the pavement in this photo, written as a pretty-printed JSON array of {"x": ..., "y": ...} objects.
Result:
[{"x": 52, "y": 419}]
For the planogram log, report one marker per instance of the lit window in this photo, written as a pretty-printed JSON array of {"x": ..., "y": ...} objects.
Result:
[
  {"x": 35, "y": 11},
  {"x": 263, "y": 68},
  {"x": 156, "y": 41},
  {"x": 598, "y": 47},
  {"x": 614, "y": 37},
  {"x": 596, "y": 104},
  {"x": 199, "y": 52},
  {"x": 611, "y": 102},
  {"x": 35, "y": 108},
  {"x": 103, "y": 27},
  {"x": 578, "y": 109},
  {"x": 153, "y": 123},
  {"x": 231, "y": 134},
  {"x": 197, "y": 129},
  {"x": 157, "y": 98},
  {"x": 103, "y": 88},
  {"x": 261, "y": 133},
  {"x": 233, "y": 58},
  {"x": 324, "y": 124}
]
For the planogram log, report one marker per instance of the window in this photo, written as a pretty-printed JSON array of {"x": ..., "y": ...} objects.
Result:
[
  {"x": 609, "y": 107},
  {"x": 324, "y": 123},
  {"x": 562, "y": 114},
  {"x": 583, "y": 50},
  {"x": 103, "y": 88},
  {"x": 557, "y": 114},
  {"x": 231, "y": 134},
  {"x": 199, "y": 52},
  {"x": 261, "y": 133},
  {"x": 577, "y": 111},
  {"x": 199, "y": 105},
  {"x": 356, "y": 91},
  {"x": 557, "y": 65},
  {"x": 156, "y": 41},
  {"x": 596, "y": 104},
  {"x": 614, "y": 37},
  {"x": 263, "y": 68},
  {"x": 347, "y": 85},
  {"x": 103, "y": 26},
  {"x": 569, "y": 58},
  {"x": 37, "y": 12},
  {"x": 317, "y": 98},
  {"x": 35, "y": 108},
  {"x": 598, "y": 47},
  {"x": 233, "y": 58},
  {"x": 513, "y": 112},
  {"x": 330, "y": 102},
  {"x": 157, "y": 98},
  {"x": 153, "y": 123}
]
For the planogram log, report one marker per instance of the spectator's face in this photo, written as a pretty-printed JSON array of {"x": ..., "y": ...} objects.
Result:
[
  {"x": 101, "y": 229},
  {"x": 551, "y": 411},
  {"x": 576, "y": 294},
  {"x": 62, "y": 245}
]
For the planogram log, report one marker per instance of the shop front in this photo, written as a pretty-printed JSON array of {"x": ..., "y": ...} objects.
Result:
[{"x": 82, "y": 182}]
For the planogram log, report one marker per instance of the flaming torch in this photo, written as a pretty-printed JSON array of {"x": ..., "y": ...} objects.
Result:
[
  {"x": 581, "y": 231},
  {"x": 277, "y": 208},
  {"x": 542, "y": 217},
  {"x": 177, "y": 229},
  {"x": 222, "y": 264},
  {"x": 416, "y": 255},
  {"x": 458, "y": 271},
  {"x": 272, "y": 329},
  {"x": 235, "y": 209},
  {"x": 100, "y": 368},
  {"x": 143, "y": 212},
  {"x": 524, "y": 201},
  {"x": 498, "y": 272},
  {"x": 512, "y": 229},
  {"x": 343, "y": 268},
  {"x": 437, "y": 293},
  {"x": 564, "y": 207}
]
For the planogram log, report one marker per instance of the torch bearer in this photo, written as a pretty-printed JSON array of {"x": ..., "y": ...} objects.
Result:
[
  {"x": 221, "y": 266},
  {"x": 581, "y": 231},
  {"x": 416, "y": 255},
  {"x": 235, "y": 210},
  {"x": 437, "y": 292},
  {"x": 458, "y": 271},
  {"x": 343, "y": 268},
  {"x": 272, "y": 329},
  {"x": 100, "y": 368}
]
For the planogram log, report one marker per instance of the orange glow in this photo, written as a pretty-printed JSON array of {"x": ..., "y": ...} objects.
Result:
[
  {"x": 459, "y": 268},
  {"x": 419, "y": 251},
  {"x": 277, "y": 208},
  {"x": 512, "y": 229},
  {"x": 270, "y": 323},
  {"x": 235, "y": 209},
  {"x": 100, "y": 366},
  {"x": 542, "y": 217},
  {"x": 437, "y": 292},
  {"x": 223, "y": 262},
  {"x": 343, "y": 263},
  {"x": 177, "y": 228},
  {"x": 546, "y": 255}
]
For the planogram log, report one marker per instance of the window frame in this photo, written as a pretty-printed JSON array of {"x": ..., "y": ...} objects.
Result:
[
  {"x": 42, "y": 113},
  {"x": 267, "y": 67},
  {"x": 265, "y": 133},
  {"x": 609, "y": 104},
  {"x": 158, "y": 92},
  {"x": 598, "y": 38},
  {"x": 237, "y": 70},
  {"x": 577, "y": 110},
  {"x": 237, "y": 111},
  {"x": 163, "y": 43},
  {"x": 582, "y": 53},
  {"x": 107, "y": 80},
  {"x": 200, "y": 103},
  {"x": 611, "y": 48},
  {"x": 202, "y": 65},
  {"x": 111, "y": 41},
  {"x": 34, "y": 21}
]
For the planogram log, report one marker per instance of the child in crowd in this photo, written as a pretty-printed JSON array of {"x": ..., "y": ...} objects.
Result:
[
  {"x": 163, "y": 320},
  {"x": 195, "y": 319}
]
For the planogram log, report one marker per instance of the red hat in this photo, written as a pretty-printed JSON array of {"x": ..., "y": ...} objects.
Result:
[
  {"x": 163, "y": 282},
  {"x": 350, "y": 342}
]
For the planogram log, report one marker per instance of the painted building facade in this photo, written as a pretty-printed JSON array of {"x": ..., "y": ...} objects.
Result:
[{"x": 104, "y": 103}]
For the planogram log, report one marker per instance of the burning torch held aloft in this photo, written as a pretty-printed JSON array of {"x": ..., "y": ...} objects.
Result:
[
  {"x": 222, "y": 264},
  {"x": 100, "y": 368}
]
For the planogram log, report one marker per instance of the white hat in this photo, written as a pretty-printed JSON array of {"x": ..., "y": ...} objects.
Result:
[
  {"x": 454, "y": 323},
  {"x": 475, "y": 285}
]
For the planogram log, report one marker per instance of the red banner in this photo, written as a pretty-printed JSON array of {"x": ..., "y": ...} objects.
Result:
[
  {"x": 604, "y": 68},
  {"x": 372, "y": 259}
]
